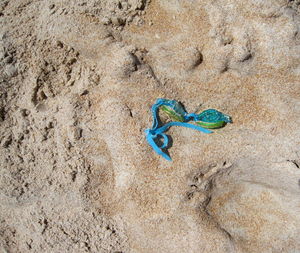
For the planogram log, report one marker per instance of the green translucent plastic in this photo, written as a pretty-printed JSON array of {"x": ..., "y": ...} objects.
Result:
[
  {"x": 172, "y": 114},
  {"x": 211, "y": 125},
  {"x": 212, "y": 118}
]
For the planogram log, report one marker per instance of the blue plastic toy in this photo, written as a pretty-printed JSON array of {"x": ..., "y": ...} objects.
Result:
[{"x": 210, "y": 118}]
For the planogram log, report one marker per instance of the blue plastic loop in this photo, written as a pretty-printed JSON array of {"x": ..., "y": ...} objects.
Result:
[{"x": 151, "y": 137}]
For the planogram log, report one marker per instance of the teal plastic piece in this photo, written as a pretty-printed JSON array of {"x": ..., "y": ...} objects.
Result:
[
  {"x": 212, "y": 118},
  {"x": 173, "y": 109}
]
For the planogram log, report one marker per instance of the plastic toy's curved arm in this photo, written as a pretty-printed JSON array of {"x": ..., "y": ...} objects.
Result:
[
  {"x": 154, "y": 110},
  {"x": 151, "y": 137},
  {"x": 152, "y": 134}
]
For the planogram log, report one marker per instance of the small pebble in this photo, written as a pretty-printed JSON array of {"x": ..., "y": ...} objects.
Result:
[
  {"x": 129, "y": 19},
  {"x": 105, "y": 21},
  {"x": 8, "y": 59},
  {"x": 24, "y": 112},
  {"x": 124, "y": 6},
  {"x": 59, "y": 44},
  {"x": 115, "y": 21},
  {"x": 138, "y": 21},
  {"x": 84, "y": 92},
  {"x": 72, "y": 61},
  {"x": 11, "y": 70},
  {"x": 76, "y": 133},
  {"x": 51, "y": 6}
]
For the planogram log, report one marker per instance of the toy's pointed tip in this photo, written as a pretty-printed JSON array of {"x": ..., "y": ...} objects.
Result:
[{"x": 168, "y": 158}]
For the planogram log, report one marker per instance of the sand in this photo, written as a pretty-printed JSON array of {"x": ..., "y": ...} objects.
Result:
[{"x": 77, "y": 81}]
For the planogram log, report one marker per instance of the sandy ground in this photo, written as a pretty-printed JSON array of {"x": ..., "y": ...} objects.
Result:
[{"x": 77, "y": 81}]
